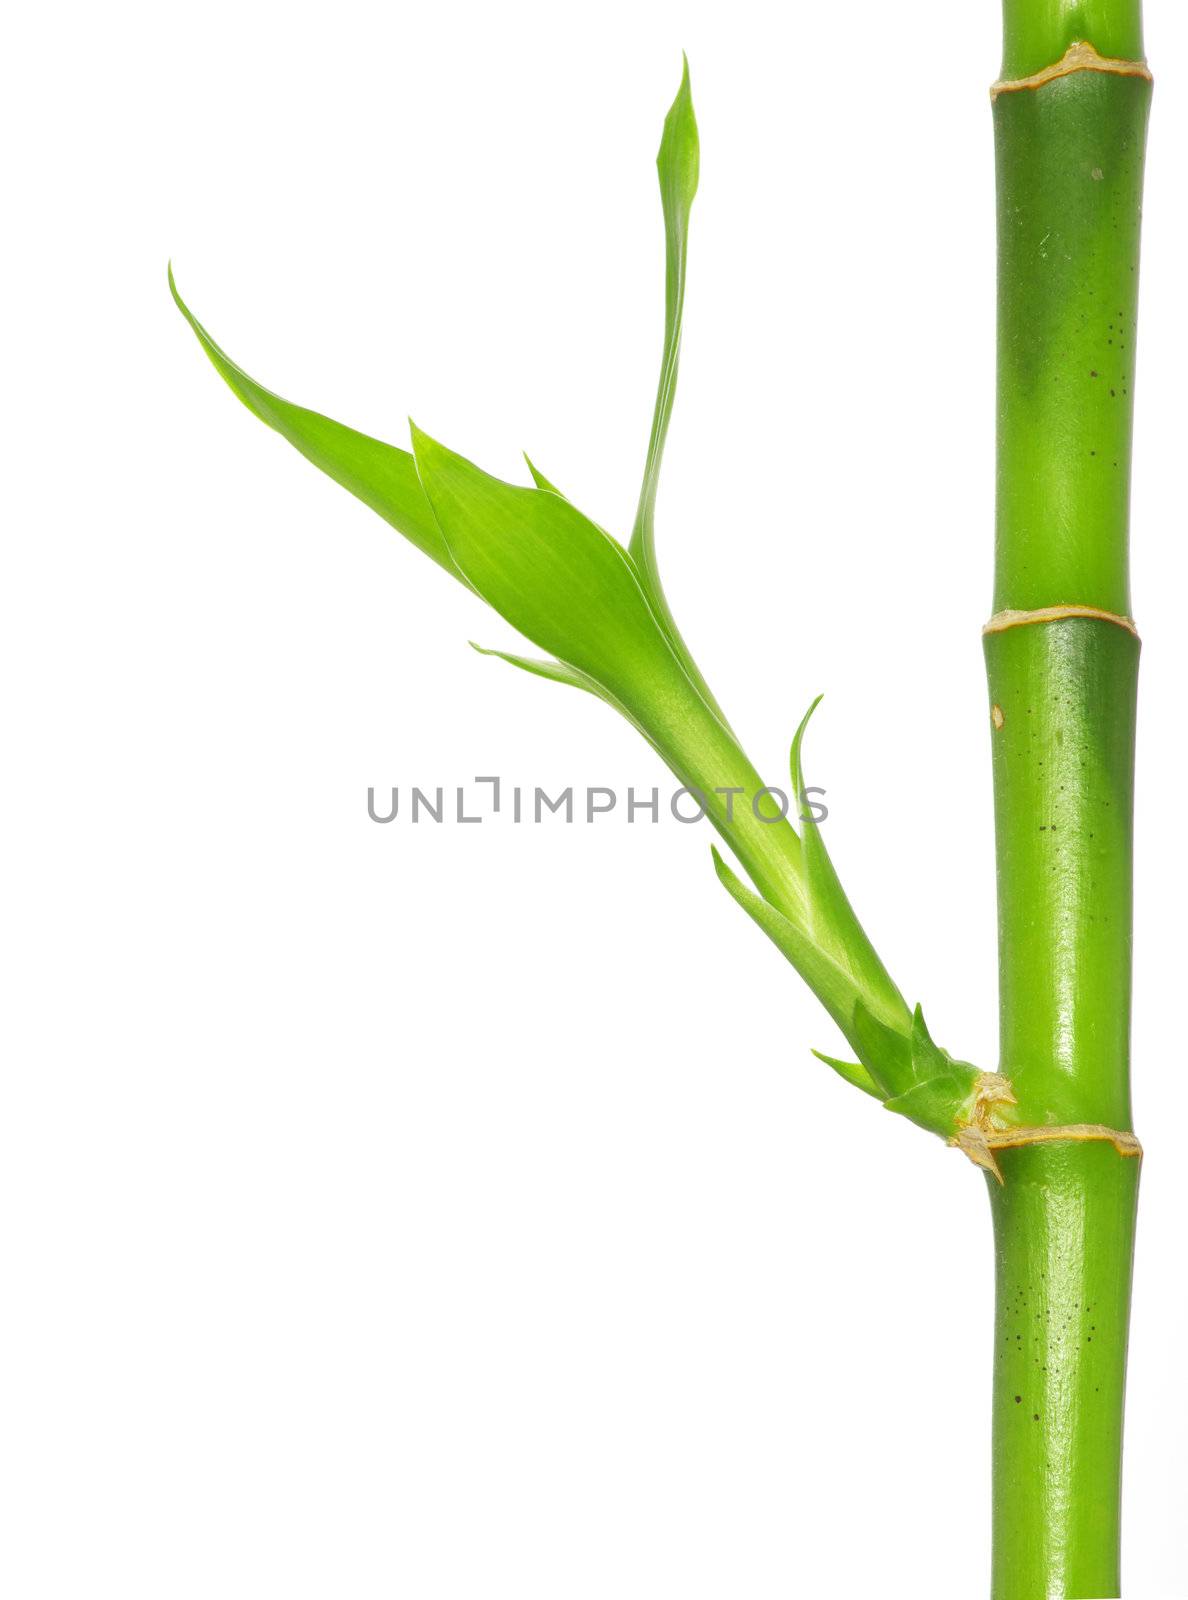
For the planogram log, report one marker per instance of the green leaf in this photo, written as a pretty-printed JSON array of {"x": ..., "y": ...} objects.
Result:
[
  {"x": 557, "y": 671},
  {"x": 383, "y": 477},
  {"x": 884, "y": 1052},
  {"x": 832, "y": 921},
  {"x": 553, "y": 574},
  {"x": 677, "y": 164},
  {"x": 928, "y": 1059},
  {"x": 831, "y": 985},
  {"x": 853, "y": 1072},
  {"x": 539, "y": 478},
  {"x": 941, "y": 1104}
]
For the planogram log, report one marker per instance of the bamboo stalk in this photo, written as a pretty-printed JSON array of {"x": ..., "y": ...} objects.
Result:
[{"x": 1069, "y": 148}]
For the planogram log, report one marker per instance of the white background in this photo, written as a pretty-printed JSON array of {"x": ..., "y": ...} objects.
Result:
[{"x": 457, "y": 1212}]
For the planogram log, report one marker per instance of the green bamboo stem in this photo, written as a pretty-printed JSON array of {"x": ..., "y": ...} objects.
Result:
[
  {"x": 1038, "y": 32},
  {"x": 1069, "y": 160}
]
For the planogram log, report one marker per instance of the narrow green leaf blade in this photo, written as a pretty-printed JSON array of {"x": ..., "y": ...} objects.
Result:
[
  {"x": 885, "y": 1052},
  {"x": 539, "y": 478},
  {"x": 556, "y": 671},
  {"x": 853, "y": 1072},
  {"x": 833, "y": 987},
  {"x": 678, "y": 164},
  {"x": 832, "y": 921},
  {"x": 928, "y": 1059},
  {"x": 561, "y": 672},
  {"x": 380, "y": 475}
]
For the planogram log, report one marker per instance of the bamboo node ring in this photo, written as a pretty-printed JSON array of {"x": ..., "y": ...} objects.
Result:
[
  {"x": 1002, "y": 620},
  {"x": 980, "y": 1143},
  {"x": 1079, "y": 57}
]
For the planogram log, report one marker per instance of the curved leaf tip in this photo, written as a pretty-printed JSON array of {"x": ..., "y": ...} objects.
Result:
[
  {"x": 794, "y": 756},
  {"x": 555, "y": 671},
  {"x": 382, "y": 477},
  {"x": 679, "y": 155},
  {"x": 539, "y": 478},
  {"x": 853, "y": 1072}
]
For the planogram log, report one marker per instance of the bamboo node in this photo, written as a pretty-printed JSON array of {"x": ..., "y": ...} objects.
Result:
[
  {"x": 979, "y": 1142},
  {"x": 1002, "y": 620},
  {"x": 1079, "y": 57}
]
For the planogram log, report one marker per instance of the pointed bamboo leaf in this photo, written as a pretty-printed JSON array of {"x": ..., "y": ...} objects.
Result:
[
  {"x": 853, "y": 1072},
  {"x": 928, "y": 1086},
  {"x": 831, "y": 917},
  {"x": 886, "y": 1054},
  {"x": 677, "y": 165},
  {"x": 928, "y": 1059},
  {"x": 380, "y": 475},
  {"x": 931, "y": 1062},
  {"x": 560, "y": 672},
  {"x": 832, "y": 987},
  {"x": 540, "y": 480},
  {"x": 557, "y": 671},
  {"x": 552, "y": 573}
]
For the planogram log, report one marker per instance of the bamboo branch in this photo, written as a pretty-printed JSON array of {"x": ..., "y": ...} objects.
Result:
[{"x": 1053, "y": 1127}]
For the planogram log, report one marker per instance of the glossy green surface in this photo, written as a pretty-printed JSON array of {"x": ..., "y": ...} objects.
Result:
[
  {"x": 1070, "y": 171},
  {"x": 1063, "y": 764},
  {"x": 1038, "y": 32},
  {"x": 1069, "y": 159},
  {"x": 1064, "y": 1236}
]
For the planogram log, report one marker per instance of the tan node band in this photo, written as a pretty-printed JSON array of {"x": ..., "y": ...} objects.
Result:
[
  {"x": 1003, "y": 620},
  {"x": 1079, "y": 57},
  {"x": 980, "y": 1144}
]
